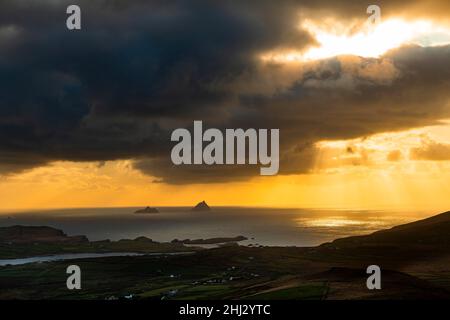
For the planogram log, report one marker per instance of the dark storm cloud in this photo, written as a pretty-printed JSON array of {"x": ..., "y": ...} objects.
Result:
[
  {"x": 296, "y": 159},
  {"x": 139, "y": 69},
  {"x": 353, "y": 9},
  {"x": 335, "y": 99},
  {"x": 101, "y": 93},
  {"x": 10, "y": 163},
  {"x": 338, "y": 100}
]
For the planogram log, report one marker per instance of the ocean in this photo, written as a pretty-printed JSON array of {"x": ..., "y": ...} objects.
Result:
[{"x": 262, "y": 226}]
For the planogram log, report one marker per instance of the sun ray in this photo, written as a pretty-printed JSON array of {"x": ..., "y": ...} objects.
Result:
[{"x": 369, "y": 42}]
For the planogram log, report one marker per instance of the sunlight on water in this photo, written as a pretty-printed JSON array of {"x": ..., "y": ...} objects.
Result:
[
  {"x": 262, "y": 226},
  {"x": 330, "y": 222}
]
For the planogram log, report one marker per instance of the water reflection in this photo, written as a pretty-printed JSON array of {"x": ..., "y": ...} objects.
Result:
[{"x": 262, "y": 226}]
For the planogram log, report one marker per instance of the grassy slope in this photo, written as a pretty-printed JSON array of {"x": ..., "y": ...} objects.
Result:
[
  {"x": 39, "y": 249},
  {"x": 414, "y": 259}
]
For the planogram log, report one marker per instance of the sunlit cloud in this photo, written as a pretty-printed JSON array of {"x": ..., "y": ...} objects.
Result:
[
  {"x": 88, "y": 123},
  {"x": 415, "y": 152},
  {"x": 369, "y": 42}
]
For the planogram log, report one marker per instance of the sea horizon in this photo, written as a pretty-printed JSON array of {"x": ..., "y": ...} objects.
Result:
[{"x": 262, "y": 226}]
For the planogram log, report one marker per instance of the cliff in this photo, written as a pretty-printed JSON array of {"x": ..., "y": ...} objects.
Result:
[{"x": 32, "y": 234}]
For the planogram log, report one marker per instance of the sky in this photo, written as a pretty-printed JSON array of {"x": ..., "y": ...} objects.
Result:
[{"x": 363, "y": 108}]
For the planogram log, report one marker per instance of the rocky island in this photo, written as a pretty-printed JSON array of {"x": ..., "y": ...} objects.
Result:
[
  {"x": 211, "y": 240},
  {"x": 201, "y": 206},
  {"x": 147, "y": 210}
]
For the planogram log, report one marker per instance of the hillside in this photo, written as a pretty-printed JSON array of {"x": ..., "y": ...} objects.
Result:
[
  {"x": 40, "y": 234},
  {"x": 433, "y": 231},
  {"x": 414, "y": 259}
]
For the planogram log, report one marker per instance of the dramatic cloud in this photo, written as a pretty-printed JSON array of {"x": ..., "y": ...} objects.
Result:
[
  {"x": 431, "y": 150},
  {"x": 333, "y": 100},
  {"x": 139, "y": 69},
  {"x": 106, "y": 92}
]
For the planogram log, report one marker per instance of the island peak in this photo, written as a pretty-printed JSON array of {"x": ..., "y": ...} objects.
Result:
[
  {"x": 201, "y": 206},
  {"x": 147, "y": 210}
]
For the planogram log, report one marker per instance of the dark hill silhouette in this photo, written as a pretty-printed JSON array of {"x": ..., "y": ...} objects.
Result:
[
  {"x": 413, "y": 257},
  {"x": 346, "y": 283},
  {"x": 32, "y": 234},
  {"x": 433, "y": 231},
  {"x": 201, "y": 206}
]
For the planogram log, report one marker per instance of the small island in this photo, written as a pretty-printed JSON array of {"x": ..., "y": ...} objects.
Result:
[
  {"x": 211, "y": 240},
  {"x": 147, "y": 210},
  {"x": 201, "y": 206}
]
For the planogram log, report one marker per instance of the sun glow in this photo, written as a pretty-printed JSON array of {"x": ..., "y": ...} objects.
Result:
[
  {"x": 330, "y": 222},
  {"x": 370, "y": 42}
]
